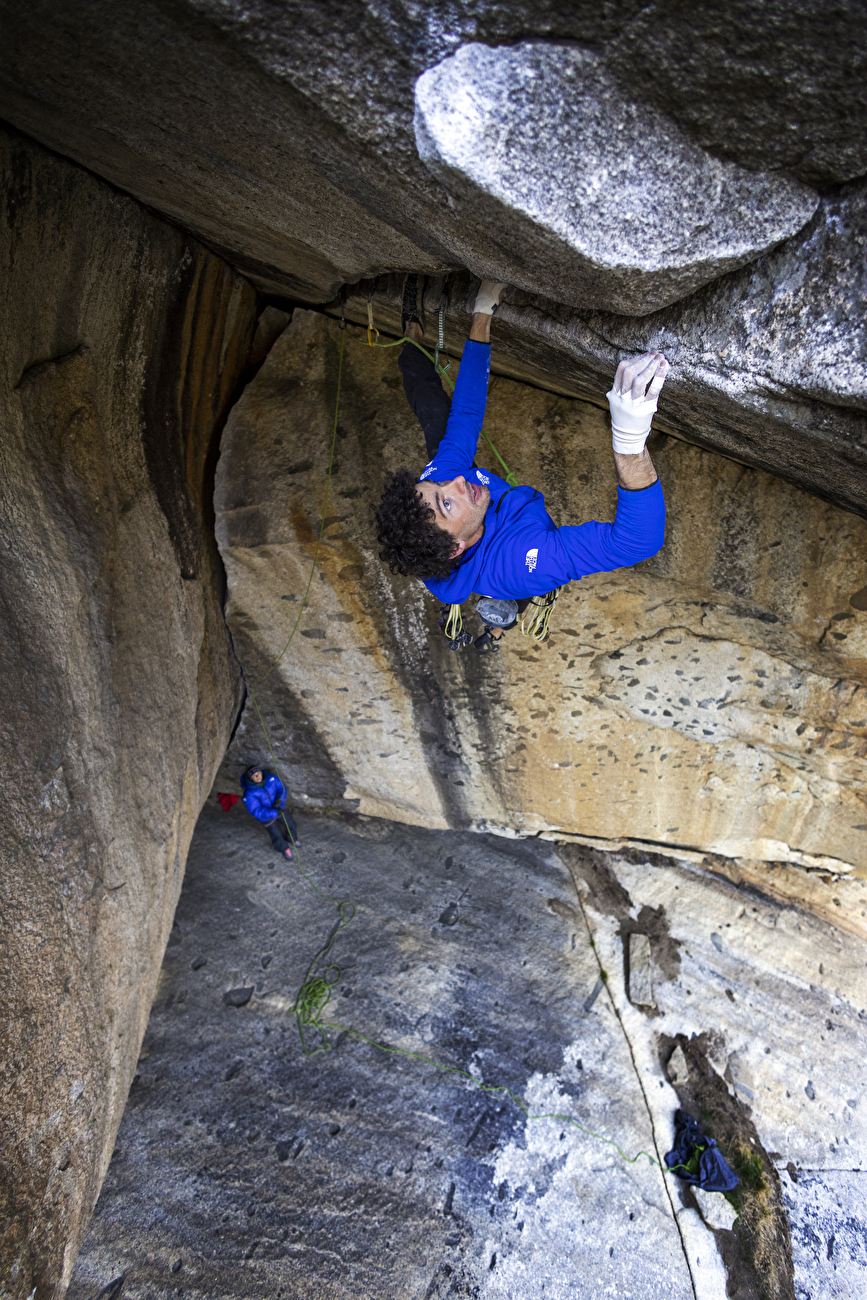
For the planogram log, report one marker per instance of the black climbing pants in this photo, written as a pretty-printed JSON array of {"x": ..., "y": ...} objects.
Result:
[
  {"x": 426, "y": 395},
  {"x": 278, "y": 832}
]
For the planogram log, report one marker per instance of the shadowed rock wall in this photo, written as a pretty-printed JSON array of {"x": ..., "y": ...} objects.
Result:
[
  {"x": 613, "y": 158},
  {"x": 714, "y": 698},
  {"x": 122, "y": 345}
]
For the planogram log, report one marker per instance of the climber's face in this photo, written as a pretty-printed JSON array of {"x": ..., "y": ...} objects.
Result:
[
  {"x": 460, "y": 507},
  {"x": 256, "y": 777}
]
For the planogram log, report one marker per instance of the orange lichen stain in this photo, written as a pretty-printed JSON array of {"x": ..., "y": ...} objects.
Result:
[{"x": 329, "y": 559}]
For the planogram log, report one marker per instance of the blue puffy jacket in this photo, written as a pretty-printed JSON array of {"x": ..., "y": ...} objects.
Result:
[
  {"x": 522, "y": 552},
  {"x": 264, "y": 801}
]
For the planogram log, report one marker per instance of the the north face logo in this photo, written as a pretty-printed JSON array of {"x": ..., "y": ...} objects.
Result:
[
  {"x": 483, "y": 478},
  {"x": 429, "y": 469},
  {"x": 532, "y": 557}
]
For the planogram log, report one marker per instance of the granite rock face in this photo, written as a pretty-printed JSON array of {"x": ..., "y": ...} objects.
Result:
[
  {"x": 122, "y": 344},
  {"x": 712, "y": 698},
  {"x": 591, "y": 199},
  {"x": 283, "y": 135},
  {"x": 777, "y": 86}
]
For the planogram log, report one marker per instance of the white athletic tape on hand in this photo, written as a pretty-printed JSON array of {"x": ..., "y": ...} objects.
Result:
[
  {"x": 488, "y": 297},
  {"x": 630, "y": 421}
]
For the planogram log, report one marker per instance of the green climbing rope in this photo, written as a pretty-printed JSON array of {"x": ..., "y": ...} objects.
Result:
[{"x": 316, "y": 988}]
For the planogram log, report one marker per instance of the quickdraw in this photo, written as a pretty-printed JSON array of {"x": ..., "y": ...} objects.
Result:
[{"x": 372, "y": 331}]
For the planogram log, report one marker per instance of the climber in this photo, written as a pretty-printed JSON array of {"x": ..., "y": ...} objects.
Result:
[
  {"x": 265, "y": 799},
  {"x": 463, "y": 530}
]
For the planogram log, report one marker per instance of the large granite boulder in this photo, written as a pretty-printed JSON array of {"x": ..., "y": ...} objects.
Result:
[
  {"x": 712, "y": 698},
  {"x": 586, "y": 196},
  {"x": 122, "y": 343}
]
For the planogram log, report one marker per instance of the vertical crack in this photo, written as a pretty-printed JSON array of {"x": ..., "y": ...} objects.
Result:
[{"x": 647, "y": 1106}]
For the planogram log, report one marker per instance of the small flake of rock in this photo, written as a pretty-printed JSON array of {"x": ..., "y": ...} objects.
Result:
[
  {"x": 640, "y": 971},
  {"x": 714, "y": 1209},
  {"x": 678, "y": 1071}
]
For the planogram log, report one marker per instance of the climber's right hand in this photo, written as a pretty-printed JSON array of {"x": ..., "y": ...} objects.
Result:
[
  {"x": 489, "y": 297},
  {"x": 633, "y": 398}
]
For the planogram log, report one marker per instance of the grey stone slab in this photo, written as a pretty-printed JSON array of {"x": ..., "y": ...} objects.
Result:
[
  {"x": 640, "y": 971},
  {"x": 356, "y": 1172},
  {"x": 592, "y": 200}
]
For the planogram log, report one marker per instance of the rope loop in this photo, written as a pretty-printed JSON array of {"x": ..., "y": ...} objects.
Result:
[
  {"x": 537, "y": 616},
  {"x": 454, "y": 622}
]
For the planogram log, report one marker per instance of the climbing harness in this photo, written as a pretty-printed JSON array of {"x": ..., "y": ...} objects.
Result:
[
  {"x": 314, "y": 995},
  {"x": 537, "y": 615}
]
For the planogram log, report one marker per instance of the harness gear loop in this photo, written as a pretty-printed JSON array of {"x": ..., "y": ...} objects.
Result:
[{"x": 539, "y": 610}]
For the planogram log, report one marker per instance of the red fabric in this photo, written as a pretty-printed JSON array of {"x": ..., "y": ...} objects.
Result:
[{"x": 228, "y": 801}]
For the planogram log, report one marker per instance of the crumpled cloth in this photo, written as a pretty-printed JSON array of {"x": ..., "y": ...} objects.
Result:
[
  {"x": 698, "y": 1159},
  {"x": 228, "y": 801}
]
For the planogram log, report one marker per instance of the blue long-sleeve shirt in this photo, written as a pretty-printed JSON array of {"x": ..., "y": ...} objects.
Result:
[{"x": 521, "y": 552}]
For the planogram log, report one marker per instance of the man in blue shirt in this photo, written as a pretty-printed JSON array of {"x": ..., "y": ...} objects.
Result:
[{"x": 463, "y": 530}]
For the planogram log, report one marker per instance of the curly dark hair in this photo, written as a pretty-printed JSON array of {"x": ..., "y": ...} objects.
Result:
[{"x": 412, "y": 543}]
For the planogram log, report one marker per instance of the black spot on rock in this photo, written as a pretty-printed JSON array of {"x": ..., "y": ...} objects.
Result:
[{"x": 238, "y": 997}]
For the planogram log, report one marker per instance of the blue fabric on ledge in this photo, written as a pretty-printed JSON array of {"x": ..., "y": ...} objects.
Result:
[{"x": 697, "y": 1159}]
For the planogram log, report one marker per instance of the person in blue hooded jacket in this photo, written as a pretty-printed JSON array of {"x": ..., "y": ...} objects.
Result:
[
  {"x": 463, "y": 530},
  {"x": 265, "y": 799}
]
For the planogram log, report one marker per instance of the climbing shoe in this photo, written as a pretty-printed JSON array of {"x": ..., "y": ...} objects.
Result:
[
  {"x": 412, "y": 306},
  {"x": 486, "y": 643},
  {"x": 497, "y": 613}
]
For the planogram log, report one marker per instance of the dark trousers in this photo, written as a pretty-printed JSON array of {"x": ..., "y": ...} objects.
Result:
[
  {"x": 426, "y": 395},
  {"x": 278, "y": 832}
]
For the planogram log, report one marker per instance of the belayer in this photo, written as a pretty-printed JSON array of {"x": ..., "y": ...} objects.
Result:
[
  {"x": 265, "y": 799},
  {"x": 463, "y": 530}
]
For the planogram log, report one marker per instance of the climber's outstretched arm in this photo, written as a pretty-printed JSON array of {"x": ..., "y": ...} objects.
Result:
[
  {"x": 632, "y": 399},
  {"x": 537, "y": 558},
  {"x": 458, "y": 448}
]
